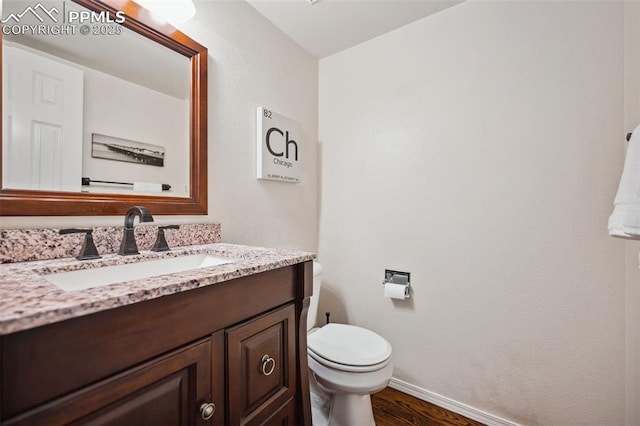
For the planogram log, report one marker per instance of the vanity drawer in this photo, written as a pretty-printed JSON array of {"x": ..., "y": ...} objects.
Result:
[{"x": 261, "y": 366}]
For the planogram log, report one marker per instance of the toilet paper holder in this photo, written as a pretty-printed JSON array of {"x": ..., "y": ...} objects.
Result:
[{"x": 398, "y": 277}]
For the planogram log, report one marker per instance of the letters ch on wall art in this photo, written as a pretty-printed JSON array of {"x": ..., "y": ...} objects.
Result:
[{"x": 278, "y": 147}]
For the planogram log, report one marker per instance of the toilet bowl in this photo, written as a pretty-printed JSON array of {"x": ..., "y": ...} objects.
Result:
[{"x": 346, "y": 364}]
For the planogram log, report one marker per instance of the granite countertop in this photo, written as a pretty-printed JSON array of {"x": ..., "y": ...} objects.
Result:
[{"x": 28, "y": 300}]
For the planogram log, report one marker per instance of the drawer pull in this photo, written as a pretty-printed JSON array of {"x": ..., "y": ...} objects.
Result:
[
  {"x": 267, "y": 362},
  {"x": 207, "y": 410}
]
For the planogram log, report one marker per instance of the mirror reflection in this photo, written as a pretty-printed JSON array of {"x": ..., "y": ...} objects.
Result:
[{"x": 92, "y": 106}]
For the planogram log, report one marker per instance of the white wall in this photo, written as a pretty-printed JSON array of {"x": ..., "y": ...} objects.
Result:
[
  {"x": 480, "y": 149},
  {"x": 130, "y": 111},
  {"x": 251, "y": 63},
  {"x": 632, "y": 120}
]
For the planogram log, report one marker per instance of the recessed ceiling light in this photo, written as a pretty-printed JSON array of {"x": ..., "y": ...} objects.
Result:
[{"x": 173, "y": 11}]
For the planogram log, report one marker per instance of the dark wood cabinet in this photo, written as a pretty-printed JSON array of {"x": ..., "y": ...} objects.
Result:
[
  {"x": 238, "y": 345},
  {"x": 165, "y": 391},
  {"x": 285, "y": 416},
  {"x": 261, "y": 366}
]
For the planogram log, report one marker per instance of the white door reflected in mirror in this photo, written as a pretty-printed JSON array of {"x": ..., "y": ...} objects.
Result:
[{"x": 42, "y": 112}]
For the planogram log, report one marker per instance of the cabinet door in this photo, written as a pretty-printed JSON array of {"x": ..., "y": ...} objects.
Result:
[
  {"x": 166, "y": 391},
  {"x": 285, "y": 416},
  {"x": 261, "y": 372}
]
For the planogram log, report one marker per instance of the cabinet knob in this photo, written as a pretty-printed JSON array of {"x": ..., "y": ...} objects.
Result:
[
  {"x": 207, "y": 410},
  {"x": 268, "y": 365}
]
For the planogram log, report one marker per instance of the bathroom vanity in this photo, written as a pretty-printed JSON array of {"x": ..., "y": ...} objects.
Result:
[{"x": 219, "y": 345}]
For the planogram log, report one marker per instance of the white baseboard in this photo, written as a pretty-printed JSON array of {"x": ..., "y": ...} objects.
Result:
[{"x": 449, "y": 404}]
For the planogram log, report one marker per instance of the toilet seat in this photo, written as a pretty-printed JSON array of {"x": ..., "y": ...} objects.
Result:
[{"x": 349, "y": 348}]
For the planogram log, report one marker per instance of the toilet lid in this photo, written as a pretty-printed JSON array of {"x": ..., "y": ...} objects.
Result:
[{"x": 348, "y": 345}]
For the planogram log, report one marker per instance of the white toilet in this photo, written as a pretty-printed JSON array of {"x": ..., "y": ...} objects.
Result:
[{"x": 346, "y": 365}]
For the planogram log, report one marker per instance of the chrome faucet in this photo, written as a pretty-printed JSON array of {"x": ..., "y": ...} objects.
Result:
[{"x": 128, "y": 245}]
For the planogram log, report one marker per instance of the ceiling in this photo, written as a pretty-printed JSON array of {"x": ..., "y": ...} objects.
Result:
[
  {"x": 128, "y": 56},
  {"x": 329, "y": 26}
]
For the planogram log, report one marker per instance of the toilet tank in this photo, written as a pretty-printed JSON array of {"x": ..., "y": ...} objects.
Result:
[{"x": 312, "y": 314}]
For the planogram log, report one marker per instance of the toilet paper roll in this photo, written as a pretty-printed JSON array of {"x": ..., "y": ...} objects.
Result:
[{"x": 395, "y": 291}]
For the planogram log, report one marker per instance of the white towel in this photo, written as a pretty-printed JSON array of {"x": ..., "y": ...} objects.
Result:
[{"x": 625, "y": 219}]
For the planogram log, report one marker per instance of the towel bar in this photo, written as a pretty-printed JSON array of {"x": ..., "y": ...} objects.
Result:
[{"x": 88, "y": 181}]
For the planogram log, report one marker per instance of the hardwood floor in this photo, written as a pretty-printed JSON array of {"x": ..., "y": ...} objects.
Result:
[{"x": 394, "y": 408}]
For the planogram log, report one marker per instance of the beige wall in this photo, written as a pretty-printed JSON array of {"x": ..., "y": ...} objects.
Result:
[
  {"x": 632, "y": 120},
  {"x": 251, "y": 63},
  {"x": 480, "y": 149}
]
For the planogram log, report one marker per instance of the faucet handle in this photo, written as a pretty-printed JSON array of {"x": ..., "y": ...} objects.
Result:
[
  {"x": 88, "y": 249},
  {"x": 161, "y": 241}
]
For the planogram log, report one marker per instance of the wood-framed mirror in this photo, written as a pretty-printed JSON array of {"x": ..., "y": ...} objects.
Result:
[{"x": 35, "y": 202}]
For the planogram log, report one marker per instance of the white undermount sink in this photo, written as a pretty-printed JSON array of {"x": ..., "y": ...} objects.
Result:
[{"x": 96, "y": 277}]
